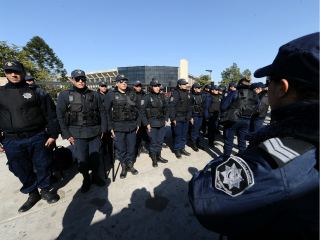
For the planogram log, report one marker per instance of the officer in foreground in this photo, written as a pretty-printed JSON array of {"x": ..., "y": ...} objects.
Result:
[
  {"x": 271, "y": 191},
  {"x": 29, "y": 125},
  {"x": 155, "y": 114},
  {"x": 83, "y": 122},
  {"x": 123, "y": 122},
  {"x": 181, "y": 114}
]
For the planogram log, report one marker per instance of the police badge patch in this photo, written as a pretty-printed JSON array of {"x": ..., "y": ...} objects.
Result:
[
  {"x": 27, "y": 95},
  {"x": 233, "y": 176}
]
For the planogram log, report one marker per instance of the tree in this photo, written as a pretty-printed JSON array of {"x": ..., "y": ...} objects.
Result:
[
  {"x": 246, "y": 73},
  {"x": 204, "y": 79},
  {"x": 231, "y": 74},
  {"x": 47, "y": 64}
]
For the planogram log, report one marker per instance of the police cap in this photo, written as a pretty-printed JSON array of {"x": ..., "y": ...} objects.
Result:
[
  {"x": 137, "y": 83},
  {"x": 29, "y": 77},
  {"x": 196, "y": 85},
  {"x": 120, "y": 77},
  {"x": 102, "y": 84},
  {"x": 154, "y": 82},
  {"x": 257, "y": 85},
  {"x": 14, "y": 66},
  {"x": 182, "y": 81},
  {"x": 297, "y": 60},
  {"x": 78, "y": 73}
]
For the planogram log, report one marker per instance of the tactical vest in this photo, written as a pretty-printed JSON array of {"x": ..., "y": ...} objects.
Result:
[
  {"x": 247, "y": 102},
  {"x": 215, "y": 104},
  {"x": 124, "y": 107},
  {"x": 197, "y": 106},
  {"x": 83, "y": 109},
  {"x": 20, "y": 110},
  {"x": 183, "y": 103},
  {"x": 155, "y": 108}
]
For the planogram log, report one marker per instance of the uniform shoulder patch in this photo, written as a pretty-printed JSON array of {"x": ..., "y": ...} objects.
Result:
[
  {"x": 27, "y": 95},
  {"x": 233, "y": 176}
]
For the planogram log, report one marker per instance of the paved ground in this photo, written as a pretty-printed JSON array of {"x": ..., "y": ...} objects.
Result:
[{"x": 152, "y": 205}]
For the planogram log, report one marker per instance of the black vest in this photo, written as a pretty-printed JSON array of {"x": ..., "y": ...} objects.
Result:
[
  {"x": 20, "y": 110},
  {"x": 215, "y": 104},
  {"x": 248, "y": 102},
  {"x": 198, "y": 104},
  {"x": 156, "y": 106},
  {"x": 83, "y": 109},
  {"x": 124, "y": 107},
  {"x": 183, "y": 103}
]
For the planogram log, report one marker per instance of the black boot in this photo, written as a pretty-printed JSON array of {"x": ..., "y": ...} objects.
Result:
[
  {"x": 97, "y": 180},
  {"x": 184, "y": 152},
  {"x": 86, "y": 183},
  {"x": 161, "y": 159},
  {"x": 131, "y": 169},
  {"x": 154, "y": 159},
  {"x": 194, "y": 147},
  {"x": 50, "y": 197},
  {"x": 177, "y": 153},
  {"x": 123, "y": 173},
  {"x": 33, "y": 198}
]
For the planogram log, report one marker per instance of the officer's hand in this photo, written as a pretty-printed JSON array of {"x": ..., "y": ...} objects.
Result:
[
  {"x": 137, "y": 129},
  {"x": 174, "y": 122},
  {"x": 192, "y": 121},
  {"x": 1, "y": 149},
  {"x": 149, "y": 128},
  {"x": 49, "y": 142},
  {"x": 167, "y": 123},
  {"x": 71, "y": 140},
  {"x": 112, "y": 134},
  {"x": 102, "y": 135}
]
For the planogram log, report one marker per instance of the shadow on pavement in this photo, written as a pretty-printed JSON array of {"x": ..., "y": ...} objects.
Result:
[{"x": 165, "y": 214}]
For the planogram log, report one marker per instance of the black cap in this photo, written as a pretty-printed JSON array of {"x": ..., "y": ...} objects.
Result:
[
  {"x": 137, "y": 83},
  {"x": 29, "y": 77},
  {"x": 196, "y": 85},
  {"x": 154, "y": 82},
  {"x": 297, "y": 60},
  {"x": 120, "y": 77},
  {"x": 257, "y": 85},
  {"x": 78, "y": 73},
  {"x": 214, "y": 87},
  {"x": 182, "y": 81},
  {"x": 102, "y": 84},
  {"x": 232, "y": 84},
  {"x": 14, "y": 65}
]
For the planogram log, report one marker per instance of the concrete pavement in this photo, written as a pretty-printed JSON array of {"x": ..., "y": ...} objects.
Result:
[{"x": 152, "y": 205}]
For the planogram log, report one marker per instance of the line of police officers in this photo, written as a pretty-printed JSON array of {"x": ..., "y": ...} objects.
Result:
[{"x": 89, "y": 119}]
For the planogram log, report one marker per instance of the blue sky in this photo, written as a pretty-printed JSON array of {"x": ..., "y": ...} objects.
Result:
[{"x": 210, "y": 34}]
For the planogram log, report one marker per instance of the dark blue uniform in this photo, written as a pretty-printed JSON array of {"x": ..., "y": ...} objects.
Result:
[
  {"x": 198, "y": 104},
  {"x": 154, "y": 112},
  {"x": 82, "y": 116},
  {"x": 28, "y": 119},
  {"x": 181, "y": 112},
  {"x": 271, "y": 191},
  {"x": 211, "y": 113},
  {"x": 123, "y": 118}
]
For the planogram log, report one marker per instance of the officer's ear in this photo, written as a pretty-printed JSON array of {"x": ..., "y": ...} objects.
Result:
[{"x": 283, "y": 87}]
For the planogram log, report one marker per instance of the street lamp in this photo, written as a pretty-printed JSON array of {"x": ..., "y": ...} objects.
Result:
[{"x": 210, "y": 71}]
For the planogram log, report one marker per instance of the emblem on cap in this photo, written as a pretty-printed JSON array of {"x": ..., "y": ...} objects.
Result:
[
  {"x": 233, "y": 176},
  {"x": 27, "y": 95},
  {"x": 79, "y": 71},
  {"x": 9, "y": 64}
]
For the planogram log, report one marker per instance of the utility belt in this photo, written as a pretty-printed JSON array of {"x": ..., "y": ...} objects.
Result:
[{"x": 21, "y": 134}]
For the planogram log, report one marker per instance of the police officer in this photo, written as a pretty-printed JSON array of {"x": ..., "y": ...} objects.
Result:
[
  {"x": 198, "y": 102},
  {"x": 123, "y": 122},
  {"x": 262, "y": 107},
  {"x": 271, "y": 191},
  {"x": 211, "y": 113},
  {"x": 83, "y": 122},
  {"x": 142, "y": 136},
  {"x": 206, "y": 92},
  {"x": 181, "y": 114},
  {"x": 239, "y": 106},
  {"x": 29, "y": 125},
  {"x": 103, "y": 89},
  {"x": 155, "y": 114}
]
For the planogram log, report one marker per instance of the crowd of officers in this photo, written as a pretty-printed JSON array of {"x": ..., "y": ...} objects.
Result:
[{"x": 126, "y": 120}]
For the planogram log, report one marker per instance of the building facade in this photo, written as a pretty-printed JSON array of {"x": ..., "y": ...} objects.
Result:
[{"x": 167, "y": 76}]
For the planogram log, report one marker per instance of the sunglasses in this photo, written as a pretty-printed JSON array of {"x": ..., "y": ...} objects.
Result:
[
  {"x": 83, "y": 79},
  {"x": 9, "y": 71},
  {"x": 123, "y": 81},
  {"x": 103, "y": 85}
]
